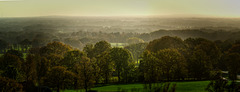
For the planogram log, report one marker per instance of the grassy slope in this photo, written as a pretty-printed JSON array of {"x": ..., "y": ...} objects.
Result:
[{"x": 194, "y": 86}]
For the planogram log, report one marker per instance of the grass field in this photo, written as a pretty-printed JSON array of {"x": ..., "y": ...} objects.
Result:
[
  {"x": 120, "y": 45},
  {"x": 193, "y": 86}
]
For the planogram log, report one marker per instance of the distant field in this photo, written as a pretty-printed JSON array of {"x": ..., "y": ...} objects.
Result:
[
  {"x": 193, "y": 86},
  {"x": 120, "y": 45}
]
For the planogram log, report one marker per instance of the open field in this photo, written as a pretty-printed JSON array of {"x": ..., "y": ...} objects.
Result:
[
  {"x": 193, "y": 86},
  {"x": 120, "y": 45}
]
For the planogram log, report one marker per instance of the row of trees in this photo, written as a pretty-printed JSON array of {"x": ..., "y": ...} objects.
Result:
[
  {"x": 170, "y": 58},
  {"x": 59, "y": 66}
]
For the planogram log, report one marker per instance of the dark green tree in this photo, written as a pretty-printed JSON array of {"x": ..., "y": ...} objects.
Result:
[
  {"x": 59, "y": 78},
  {"x": 164, "y": 43},
  {"x": 85, "y": 73},
  {"x": 121, "y": 58}
]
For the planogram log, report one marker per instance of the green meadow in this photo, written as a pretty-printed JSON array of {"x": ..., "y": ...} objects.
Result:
[{"x": 190, "y": 86}]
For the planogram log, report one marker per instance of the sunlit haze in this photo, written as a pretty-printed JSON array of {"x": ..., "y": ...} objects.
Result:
[{"x": 29, "y": 8}]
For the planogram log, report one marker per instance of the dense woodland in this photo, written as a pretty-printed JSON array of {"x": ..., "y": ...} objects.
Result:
[
  {"x": 40, "y": 57},
  {"x": 60, "y": 66}
]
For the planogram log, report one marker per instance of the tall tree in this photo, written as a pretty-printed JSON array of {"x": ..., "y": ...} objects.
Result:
[
  {"x": 12, "y": 66},
  {"x": 233, "y": 61},
  {"x": 59, "y": 78},
  {"x": 172, "y": 63},
  {"x": 202, "y": 56},
  {"x": 121, "y": 58},
  {"x": 150, "y": 68},
  {"x": 199, "y": 65},
  {"x": 84, "y": 72},
  {"x": 29, "y": 68},
  {"x": 105, "y": 65}
]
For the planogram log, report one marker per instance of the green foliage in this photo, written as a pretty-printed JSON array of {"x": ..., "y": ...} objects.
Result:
[
  {"x": 172, "y": 63},
  {"x": 233, "y": 63},
  {"x": 121, "y": 58},
  {"x": 106, "y": 66},
  {"x": 221, "y": 84},
  {"x": 136, "y": 50},
  {"x": 166, "y": 64},
  {"x": 9, "y": 85},
  {"x": 73, "y": 42},
  {"x": 150, "y": 68},
  {"x": 16, "y": 53},
  {"x": 89, "y": 50},
  {"x": 71, "y": 58},
  {"x": 202, "y": 57},
  {"x": 59, "y": 78},
  {"x": 218, "y": 84},
  {"x": 234, "y": 49},
  {"x": 84, "y": 69},
  {"x": 29, "y": 68},
  {"x": 101, "y": 47},
  {"x": 164, "y": 43},
  {"x": 12, "y": 65},
  {"x": 56, "y": 48}
]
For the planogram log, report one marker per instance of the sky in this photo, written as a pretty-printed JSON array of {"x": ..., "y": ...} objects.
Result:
[{"x": 30, "y": 8}]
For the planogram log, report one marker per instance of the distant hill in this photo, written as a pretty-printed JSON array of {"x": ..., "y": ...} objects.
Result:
[{"x": 115, "y": 24}]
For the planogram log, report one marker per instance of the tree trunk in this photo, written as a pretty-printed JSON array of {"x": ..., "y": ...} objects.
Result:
[
  {"x": 86, "y": 89},
  {"x": 118, "y": 76},
  {"x": 106, "y": 78},
  {"x": 58, "y": 89}
]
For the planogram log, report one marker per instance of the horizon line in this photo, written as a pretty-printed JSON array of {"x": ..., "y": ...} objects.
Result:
[{"x": 157, "y": 16}]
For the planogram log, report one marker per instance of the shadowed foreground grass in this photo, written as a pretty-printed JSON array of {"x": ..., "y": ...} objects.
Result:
[{"x": 192, "y": 86}]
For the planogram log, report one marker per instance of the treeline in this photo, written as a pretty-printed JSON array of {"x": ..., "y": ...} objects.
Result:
[
  {"x": 59, "y": 66},
  {"x": 78, "y": 39}
]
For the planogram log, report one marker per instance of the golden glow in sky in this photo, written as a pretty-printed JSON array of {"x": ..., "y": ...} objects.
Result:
[{"x": 25, "y": 8}]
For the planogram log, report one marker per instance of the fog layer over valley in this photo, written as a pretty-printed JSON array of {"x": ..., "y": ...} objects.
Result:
[
  {"x": 114, "y": 24},
  {"x": 87, "y": 53},
  {"x": 79, "y": 31}
]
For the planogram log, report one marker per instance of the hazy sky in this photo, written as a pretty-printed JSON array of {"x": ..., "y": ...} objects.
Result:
[{"x": 23, "y": 8}]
